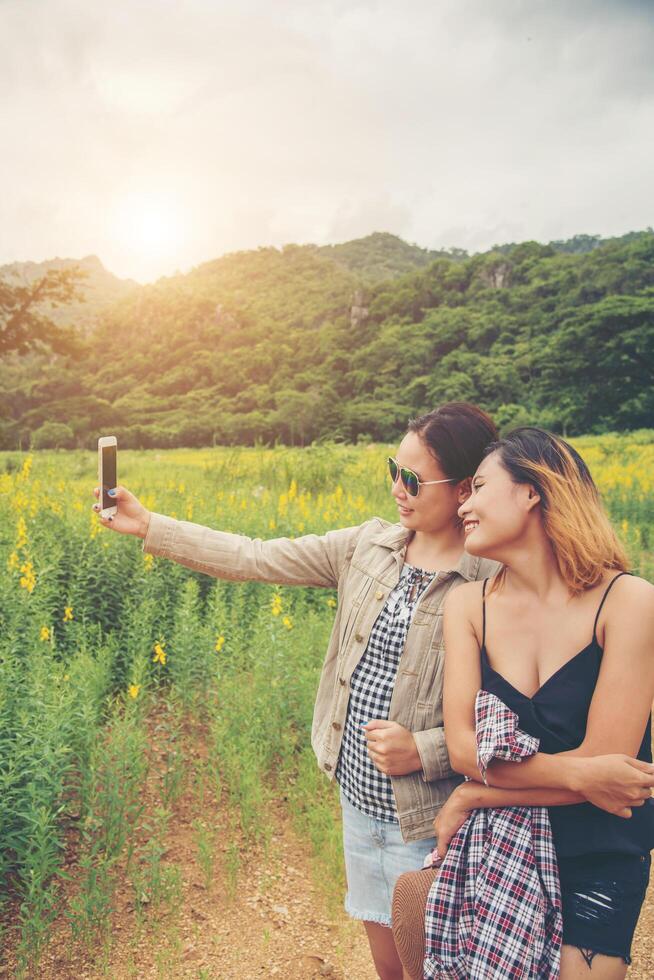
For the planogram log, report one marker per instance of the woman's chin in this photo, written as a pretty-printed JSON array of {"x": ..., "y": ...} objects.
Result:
[{"x": 474, "y": 545}]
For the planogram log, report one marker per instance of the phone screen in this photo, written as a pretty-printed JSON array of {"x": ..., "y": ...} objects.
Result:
[{"x": 108, "y": 475}]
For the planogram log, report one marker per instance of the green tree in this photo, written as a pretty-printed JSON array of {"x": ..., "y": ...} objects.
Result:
[
  {"x": 53, "y": 435},
  {"x": 23, "y": 324}
]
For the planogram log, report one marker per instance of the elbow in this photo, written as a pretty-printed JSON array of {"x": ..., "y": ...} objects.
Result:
[
  {"x": 456, "y": 757},
  {"x": 462, "y": 762}
]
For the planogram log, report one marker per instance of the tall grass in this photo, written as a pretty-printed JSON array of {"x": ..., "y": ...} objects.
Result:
[{"x": 94, "y": 635}]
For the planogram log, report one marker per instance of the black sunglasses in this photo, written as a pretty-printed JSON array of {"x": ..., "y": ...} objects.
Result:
[{"x": 409, "y": 479}]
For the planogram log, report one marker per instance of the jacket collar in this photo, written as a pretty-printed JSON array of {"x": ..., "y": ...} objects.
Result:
[{"x": 396, "y": 538}]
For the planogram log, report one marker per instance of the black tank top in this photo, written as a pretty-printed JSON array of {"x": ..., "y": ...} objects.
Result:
[{"x": 557, "y": 715}]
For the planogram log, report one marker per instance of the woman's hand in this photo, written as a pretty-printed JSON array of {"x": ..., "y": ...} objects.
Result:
[
  {"x": 392, "y": 747},
  {"x": 130, "y": 518},
  {"x": 614, "y": 783},
  {"x": 451, "y": 817}
]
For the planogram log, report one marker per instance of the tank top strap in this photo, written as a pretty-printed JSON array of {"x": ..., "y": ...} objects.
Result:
[
  {"x": 606, "y": 592},
  {"x": 483, "y": 614}
]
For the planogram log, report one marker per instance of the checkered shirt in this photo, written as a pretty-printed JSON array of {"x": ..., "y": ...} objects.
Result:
[
  {"x": 371, "y": 689},
  {"x": 494, "y": 911}
]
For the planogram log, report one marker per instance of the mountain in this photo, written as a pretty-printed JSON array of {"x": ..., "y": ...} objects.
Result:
[
  {"x": 382, "y": 256},
  {"x": 98, "y": 288},
  {"x": 304, "y": 343}
]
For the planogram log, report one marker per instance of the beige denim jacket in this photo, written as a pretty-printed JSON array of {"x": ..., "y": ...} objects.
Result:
[{"x": 364, "y": 564}]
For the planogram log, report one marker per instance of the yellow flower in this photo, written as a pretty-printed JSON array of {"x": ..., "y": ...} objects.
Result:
[
  {"x": 159, "y": 654},
  {"x": 220, "y": 643},
  {"x": 68, "y": 614},
  {"x": 45, "y": 633},
  {"x": 276, "y": 604},
  {"x": 134, "y": 690},
  {"x": 148, "y": 561},
  {"x": 331, "y": 602},
  {"x": 28, "y": 578},
  {"x": 13, "y": 560},
  {"x": 287, "y": 622},
  {"x": 22, "y": 533}
]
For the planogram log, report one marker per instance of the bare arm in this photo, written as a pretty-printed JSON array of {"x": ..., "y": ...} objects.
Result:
[
  {"x": 471, "y": 796},
  {"x": 477, "y": 796}
]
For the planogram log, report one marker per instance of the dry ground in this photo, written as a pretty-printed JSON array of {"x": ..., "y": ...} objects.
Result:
[{"x": 273, "y": 920}]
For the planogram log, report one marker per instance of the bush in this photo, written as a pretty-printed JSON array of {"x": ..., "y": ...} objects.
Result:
[{"x": 53, "y": 435}]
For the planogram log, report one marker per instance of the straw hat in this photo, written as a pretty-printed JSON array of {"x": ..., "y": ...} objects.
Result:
[{"x": 409, "y": 901}]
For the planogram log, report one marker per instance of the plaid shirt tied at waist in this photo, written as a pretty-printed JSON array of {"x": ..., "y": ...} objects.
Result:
[{"x": 494, "y": 911}]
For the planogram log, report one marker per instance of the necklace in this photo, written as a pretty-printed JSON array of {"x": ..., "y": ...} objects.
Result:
[{"x": 416, "y": 580}]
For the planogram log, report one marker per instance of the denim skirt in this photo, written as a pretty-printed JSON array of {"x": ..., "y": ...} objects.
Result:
[
  {"x": 375, "y": 857},
  {"x": 602, "y": 896}
]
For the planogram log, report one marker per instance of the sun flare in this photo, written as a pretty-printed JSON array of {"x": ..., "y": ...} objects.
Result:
[{"x": 148, "y": 227}]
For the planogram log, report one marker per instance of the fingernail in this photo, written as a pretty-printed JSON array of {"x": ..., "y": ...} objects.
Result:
[{"x": 112, "y": 493}]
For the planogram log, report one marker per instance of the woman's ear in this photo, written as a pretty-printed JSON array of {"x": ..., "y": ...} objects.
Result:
[
  {"x": 464, "y": 489},
  {"x": 533, "y": 497}
]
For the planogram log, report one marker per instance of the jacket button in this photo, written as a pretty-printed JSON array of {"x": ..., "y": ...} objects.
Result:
[
  {"x": 359, "y": 638},
  {"x": 379, "y": 594},
  {"x": 342, "y": 681},
  {"x": 327, "y": 767},
  {"x": 336, "y": 726}
]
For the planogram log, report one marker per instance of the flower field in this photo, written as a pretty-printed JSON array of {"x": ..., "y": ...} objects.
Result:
[{"x": 97, "y": 639}]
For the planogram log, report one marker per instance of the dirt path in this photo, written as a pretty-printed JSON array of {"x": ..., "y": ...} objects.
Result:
[
  {"x": 213, "y": 921},
  {"x": 235, "y": 913},
  {"x": 643, "y": 947},
  {"x": 277, "y": 925}
]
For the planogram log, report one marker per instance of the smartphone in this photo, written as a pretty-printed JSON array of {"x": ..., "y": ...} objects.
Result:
[{"x": 107, "y": 475}]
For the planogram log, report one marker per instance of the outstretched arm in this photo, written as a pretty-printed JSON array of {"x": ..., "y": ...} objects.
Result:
[{"x": 310, "y": 560}]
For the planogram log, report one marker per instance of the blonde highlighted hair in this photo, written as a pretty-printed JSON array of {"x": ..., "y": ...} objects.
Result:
[{"x": 582, "y": 537}]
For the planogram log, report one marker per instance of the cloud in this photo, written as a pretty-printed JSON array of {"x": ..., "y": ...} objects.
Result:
[{"x": 451, "y": 123}]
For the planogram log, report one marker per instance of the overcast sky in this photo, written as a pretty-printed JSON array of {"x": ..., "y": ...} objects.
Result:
[{"x": 160, "y": 134}]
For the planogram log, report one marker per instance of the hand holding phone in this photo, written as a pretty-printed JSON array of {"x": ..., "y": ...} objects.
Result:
[
  {"x": 131, "y": 516},
  {"x": 122, "y": 511}
]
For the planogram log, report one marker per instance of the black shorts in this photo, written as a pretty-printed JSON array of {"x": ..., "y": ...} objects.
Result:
[{"x": 602, "y": 896}]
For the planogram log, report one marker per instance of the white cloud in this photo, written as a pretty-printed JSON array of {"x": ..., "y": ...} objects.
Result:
[{"x": 451, "y": 123}]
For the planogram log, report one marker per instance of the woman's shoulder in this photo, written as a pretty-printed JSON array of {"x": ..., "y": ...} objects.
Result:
[
  {"x": 627, "y": 616},
  {"x": 376, "y": 530},
  {"x": 465, "y": 598},
  {"x": 630, "y": 591}
]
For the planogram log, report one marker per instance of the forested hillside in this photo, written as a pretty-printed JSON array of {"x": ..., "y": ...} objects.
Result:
[
  {"x": 343, "y": 342},
  {"x": 97, "y": 288}
]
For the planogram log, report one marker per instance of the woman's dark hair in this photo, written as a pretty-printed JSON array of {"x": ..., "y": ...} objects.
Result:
[
  {"x": 527, "y": 447},
  {"x": 457, "y": 435},
  {"x": 580, "y": 533}
]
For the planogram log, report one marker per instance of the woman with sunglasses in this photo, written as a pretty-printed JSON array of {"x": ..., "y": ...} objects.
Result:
[{"x": 378, "y": 718}]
